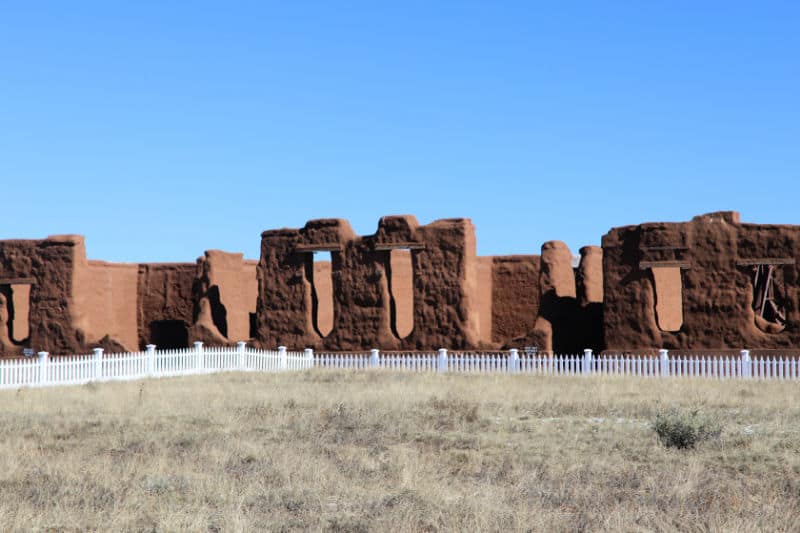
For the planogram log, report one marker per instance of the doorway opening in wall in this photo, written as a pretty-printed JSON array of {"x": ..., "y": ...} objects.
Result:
[
  {"x": 401, "y": 289},
  {"x": 321, "y": 277},
  {"x": 169, "y": 334},
  {"x": 769, "y": 297},
  {"x": 16, "y": 311}
]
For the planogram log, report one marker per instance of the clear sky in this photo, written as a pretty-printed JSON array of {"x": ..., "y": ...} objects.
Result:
[{"x": 161, "y": 129}]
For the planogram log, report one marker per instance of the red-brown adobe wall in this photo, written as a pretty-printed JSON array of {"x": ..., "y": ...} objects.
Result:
[{"x": 713, "y": 253}]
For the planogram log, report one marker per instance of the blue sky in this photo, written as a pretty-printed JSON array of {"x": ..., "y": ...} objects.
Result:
[{"x": 161, "y": 129}]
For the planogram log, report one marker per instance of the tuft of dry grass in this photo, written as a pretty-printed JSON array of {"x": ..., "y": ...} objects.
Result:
[{"x": 341, "y": 451}]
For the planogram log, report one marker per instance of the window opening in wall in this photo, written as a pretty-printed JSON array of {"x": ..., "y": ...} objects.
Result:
[
  {"x": 401, "y": 290},
  {"x": 322, "y": 292},
  {"x": 769, "y": 298}
]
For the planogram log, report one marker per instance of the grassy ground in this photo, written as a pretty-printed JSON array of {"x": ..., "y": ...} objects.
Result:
[{"x": 380, "y": 451}]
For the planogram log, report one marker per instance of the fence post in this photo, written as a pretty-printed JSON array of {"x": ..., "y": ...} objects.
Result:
[
  {"x": 198, "y": 348},
  {"x": 374, "y": 359},
  {"x": 151, "y": 359},
  {"x": 240, "y": 347},
  {"x": 43, "y": 368},
  {"x": 587, "y": 361},
  {"x": 513, "y": 360},
  {"x": 309, "y": 353},
  {"x": 98, "y": 363},
  {"x": 282, "y": 357},
  {"x": 745, "y": 363},
  {"x": 442, "y": 361},
  {"x": 663, "y": 355}
]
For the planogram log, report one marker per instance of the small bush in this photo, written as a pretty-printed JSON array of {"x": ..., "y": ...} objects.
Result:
[{"x": 685, "y": 429}]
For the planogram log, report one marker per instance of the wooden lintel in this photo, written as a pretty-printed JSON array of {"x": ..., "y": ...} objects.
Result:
[
  {"x": 17, "y": 281},
  {"x": 765, "y": 261},
  {"x": 684, "y": 265},
  {"x": 383, "y": 246},
  {"x": 323, "y": 247}
]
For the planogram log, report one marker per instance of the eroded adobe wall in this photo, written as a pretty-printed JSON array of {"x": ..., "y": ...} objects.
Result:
[
  {"x": 706, "y": 265},
  {"x": 285, "y": 308},
  {"x": 166, "y": 308},
  {"x": 106, "y": 301},
  {"x": 589, "y": 294},
  {"x": 557, "y": 300},
  {"x": 225, "y": 293},
  {"x": 46, "y": 266},
  {"x": 361, "y": 298},
  {"x": 514, "y": 296},
  {"x": 570, "y": 302},
  {"x": 446, "y": 301},
  {"x": 367, "y": 310}
]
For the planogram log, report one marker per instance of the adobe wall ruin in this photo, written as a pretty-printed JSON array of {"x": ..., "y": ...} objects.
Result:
[
  {"x": 710, "y": 283},
  {"x": 570, "y": 301},
  {"x": 52, "y": 298},
  {"x": 371, "y": 305},
  {"x": 43, "y": 269},
  {"x": 165, "y": 305},
  {"x": 405, "y": 287},
  {"x": 225, "y": 290},
  {"x": 690, "y": 285},
  {"x": 514, "y": 296}
]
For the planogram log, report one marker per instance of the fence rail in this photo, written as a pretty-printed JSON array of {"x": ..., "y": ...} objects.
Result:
[{"x": 79, "y": 369}]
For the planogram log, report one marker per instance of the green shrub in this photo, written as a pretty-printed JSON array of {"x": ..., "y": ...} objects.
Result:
[{"x": 685, "y": 428}]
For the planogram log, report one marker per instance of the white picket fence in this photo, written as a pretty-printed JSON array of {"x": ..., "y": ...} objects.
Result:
[
  {"x": 45, "y": 371},
  {"x": 79, "y": 369},
  {"x": 512, "y": 362}
]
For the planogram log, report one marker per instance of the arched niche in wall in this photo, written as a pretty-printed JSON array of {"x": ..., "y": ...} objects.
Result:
[{"x": 668, "y": 292}]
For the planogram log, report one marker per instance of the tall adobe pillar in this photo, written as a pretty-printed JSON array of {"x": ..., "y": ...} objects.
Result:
[
  {"x": 557, "y": 298},
  {"x": 446, "y": 302},
  {"x": 589, "y": 287},
  {"x": 287, "y": 300},
  {"x": 225, "y": 293}
]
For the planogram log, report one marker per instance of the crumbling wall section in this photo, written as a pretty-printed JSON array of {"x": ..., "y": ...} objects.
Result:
[
  {"x": 47, "y": 267},
  {"x": 166, "y": 306},
  {"x": 106, "y": 301},
  {"x": 225, "y": 293},
  {"x": 715, "y": 254},
  {"x": 445, "y": 285},
  {"x": 589, "y": 293},
  {"x": 362, "y": 303},
  {"x": 446, "y": 298},
  {"x": 286, "y": 306},
  {"x": 514, "y": 296}
]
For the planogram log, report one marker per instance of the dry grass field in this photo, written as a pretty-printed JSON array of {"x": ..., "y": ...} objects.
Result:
[{"x": 337, "y": 451}]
